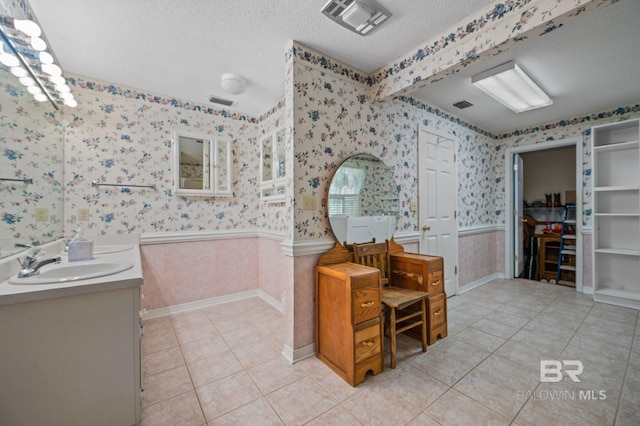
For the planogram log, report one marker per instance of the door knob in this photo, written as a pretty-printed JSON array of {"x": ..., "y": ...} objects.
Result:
[
  {"x": 426, "y": 228},
  {"x": 524, "y": 220}
]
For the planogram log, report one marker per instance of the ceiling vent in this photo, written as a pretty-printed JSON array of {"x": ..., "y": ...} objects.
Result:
[
  {"x": 359, "y": 16},
  {"x": 462, "y": 104},
  {"x": 221, "y": 101}
]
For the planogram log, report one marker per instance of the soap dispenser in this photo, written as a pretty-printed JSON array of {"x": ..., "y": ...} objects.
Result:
[{"x": 80, "y": 248}]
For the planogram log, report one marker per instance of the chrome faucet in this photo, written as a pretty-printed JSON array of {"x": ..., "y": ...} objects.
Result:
[
  {"x": 27, "y": 245},
  {"x": 31, "y": 265}
]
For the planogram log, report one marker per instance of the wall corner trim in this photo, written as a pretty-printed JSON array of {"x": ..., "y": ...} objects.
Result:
[{"x": 295, "y": 355}]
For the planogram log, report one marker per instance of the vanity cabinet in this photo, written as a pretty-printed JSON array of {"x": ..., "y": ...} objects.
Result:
[
  {"x": 72, "y": 360},
  {"x": 273, "y": 166},
  {"x": 423, "y": 273},
  {"x": 349, "y": 334},
  {"x": 616, "y": 213}
]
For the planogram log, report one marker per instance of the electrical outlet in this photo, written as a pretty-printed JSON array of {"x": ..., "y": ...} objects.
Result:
[
  {"x": 83, "y": 214},
  {"x": 413, "y": 205},
  {"x": 308, "y": 202},
  {"x": 42, "y": 214}
]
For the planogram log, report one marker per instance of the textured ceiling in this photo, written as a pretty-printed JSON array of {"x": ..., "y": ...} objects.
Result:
[{"x": 181, "y": 49}]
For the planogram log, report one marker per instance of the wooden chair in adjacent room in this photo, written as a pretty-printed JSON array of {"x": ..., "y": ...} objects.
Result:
[{"x": 407, "y": 308}]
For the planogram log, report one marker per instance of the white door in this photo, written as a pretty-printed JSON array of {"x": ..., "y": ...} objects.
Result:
[
  {"x": 518, "y": 213},
  {"x": 437, "y": 201}
]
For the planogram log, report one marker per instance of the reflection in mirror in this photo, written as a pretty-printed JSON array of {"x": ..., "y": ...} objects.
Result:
[
  {"x": 31, "y": 147},
  {"x": 363, "y": 200},
  {"x": 202, "y": 165}
]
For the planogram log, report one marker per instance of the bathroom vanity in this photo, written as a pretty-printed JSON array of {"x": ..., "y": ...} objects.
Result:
[{"x": 70, "y": 352}]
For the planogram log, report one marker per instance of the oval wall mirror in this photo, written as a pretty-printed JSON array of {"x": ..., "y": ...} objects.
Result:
[{"x": 363, "y": 200}]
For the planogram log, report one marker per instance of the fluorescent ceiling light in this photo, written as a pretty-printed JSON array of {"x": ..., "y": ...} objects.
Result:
[{"x": 510, "y": 86}]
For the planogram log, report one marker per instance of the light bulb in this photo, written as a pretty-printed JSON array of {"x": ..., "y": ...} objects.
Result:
[
  {"x": 18, "y": 71},
  {"x": 34, "y": 90},
  {"x": 9, "y": 60},
  {"x": 52, "y": 69},
  {"x": 57, "y": 79},
  {"x": 45, "y": 58},
  {"x": 71, "y": 103},
  {"x": 40, "y": 97},
  {"x": 28, "y": 27},
  {"x": 38, "y": 43},
  {"x": 63, "y": 88},
  {"x": 27, "y": 81}
]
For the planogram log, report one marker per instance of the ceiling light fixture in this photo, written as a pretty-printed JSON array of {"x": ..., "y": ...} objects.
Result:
[
  {"x": 233, "y": 84},
  {"x": 510, "y": 86},
  {"x": 24, "y": 51},
  {"x": 359, "y": 16}
]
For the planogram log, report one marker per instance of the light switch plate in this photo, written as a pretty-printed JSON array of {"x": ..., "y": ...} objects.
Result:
[
  {"x": 308, "y": 202},
  {"x": 413, "y": 205},
  {"x": 42, "y": 214},
  {"x": 83, "y": 214}
]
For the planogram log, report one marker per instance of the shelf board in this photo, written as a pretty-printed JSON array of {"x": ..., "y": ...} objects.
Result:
[
  {"x": 569, "y": 237},
  {"x": 617, "y": 214},
  {"x": 626, "y": 298},
  {"x": 569, "y": 252},
  {"x": 568, "y": 268},
  {"x": 615, "y": 188},
  {"x": 616, "y": 146},
  {"x": 625, "y": 252}
]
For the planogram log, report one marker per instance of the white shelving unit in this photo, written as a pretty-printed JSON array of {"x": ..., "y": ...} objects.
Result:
[{"x": 616, "y": 207}]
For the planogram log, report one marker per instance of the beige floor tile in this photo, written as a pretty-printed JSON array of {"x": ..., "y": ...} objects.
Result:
[
  {"x": 227, "y": 394},
  {"x": 183, "y": 409},
  {"x": 339, "y": 389},
  {"x": 186, "y": 334},
  {"x": 336, "y": 416},
  {"x": 512, "y": 318},
  {"x": 454, "y": 408},
  {"x": 203, "y": 348},
  {"x": 488, "y": 390},
  {"x": 257, "y": 352},
  {"x": 375, "y": 405},
  {"x": 155, "y": 342},
  {"x": 158, "y": 362},
  {"x": 479, "y": 338},
  {"x": 258, "y": 412},
  {"x": 300, "y": 401},
  {"x": 423, "y": 419},
  {"x": 165, "y": 385},
  {"x": 416, "y": 387},
  {"x": 498, "y": 329},
  {"x": 274, "y": 374},
  {"x": 213, "y": 368}
]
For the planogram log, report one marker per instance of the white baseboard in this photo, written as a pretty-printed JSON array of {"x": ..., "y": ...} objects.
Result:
[
  {"x": 295, "y": 355},
  {"x": 587, "y": 290},
  {"x": 481, "y": 281},
  {"x": 204, "y": 303}
]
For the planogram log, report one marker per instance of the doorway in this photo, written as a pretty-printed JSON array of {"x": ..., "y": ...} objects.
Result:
[{"x": 547, "y": 178}]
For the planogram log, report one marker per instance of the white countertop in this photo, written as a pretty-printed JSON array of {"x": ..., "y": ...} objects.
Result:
[{"x": 20, "y": 293}]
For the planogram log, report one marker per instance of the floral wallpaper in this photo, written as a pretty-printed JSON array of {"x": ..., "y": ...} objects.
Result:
[
  {"x": 122, "y": 136},
  {"x": 31, "y": 146}
]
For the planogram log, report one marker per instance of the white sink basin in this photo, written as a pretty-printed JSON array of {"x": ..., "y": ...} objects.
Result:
[{"x": 84, "y": 271}]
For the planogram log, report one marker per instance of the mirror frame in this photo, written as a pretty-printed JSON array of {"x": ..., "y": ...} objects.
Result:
[
  {"x": 210, "y": 167},
  {"x": 394, "y": 200}
]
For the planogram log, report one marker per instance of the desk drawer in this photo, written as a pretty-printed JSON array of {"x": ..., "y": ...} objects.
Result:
[
  {"x": 437, "y": 310},
  {"x": 367, "y": 341},
  {"x": 435, "y": 282},
  {"x": 366, "y": 304}
]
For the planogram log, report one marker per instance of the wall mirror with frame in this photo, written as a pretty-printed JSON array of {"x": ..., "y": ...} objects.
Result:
[
  {"x": 273, "y": 166},
  {"x": 201, "y": 164},
  {"x": 363, "y": 200}
]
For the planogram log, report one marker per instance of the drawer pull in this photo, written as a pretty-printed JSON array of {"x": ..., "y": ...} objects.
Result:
[
  {"x": 438, "y": 312},
  {"x": 367, "y": 304},
  {"x": 435, "y": 283},
  {"x": 368, "y": 343}
]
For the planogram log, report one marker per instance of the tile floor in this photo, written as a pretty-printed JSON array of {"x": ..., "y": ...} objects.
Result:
[{"x": 223, "y": 365}]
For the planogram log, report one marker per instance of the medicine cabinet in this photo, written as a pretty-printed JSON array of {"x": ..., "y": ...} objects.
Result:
[
  {"x": 273, "y": 166},
  {"x": 202, "y": 165}
]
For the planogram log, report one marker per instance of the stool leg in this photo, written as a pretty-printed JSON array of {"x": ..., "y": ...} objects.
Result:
[
  {"x": 424, "y": 325},
  {"x": 392, "y": 331}
]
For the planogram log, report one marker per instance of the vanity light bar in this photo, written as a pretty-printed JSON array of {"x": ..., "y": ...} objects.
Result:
[{"x": 25, "y": 53}]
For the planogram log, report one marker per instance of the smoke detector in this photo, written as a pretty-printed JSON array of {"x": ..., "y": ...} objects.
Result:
[{"x": 359, "y": 16}]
